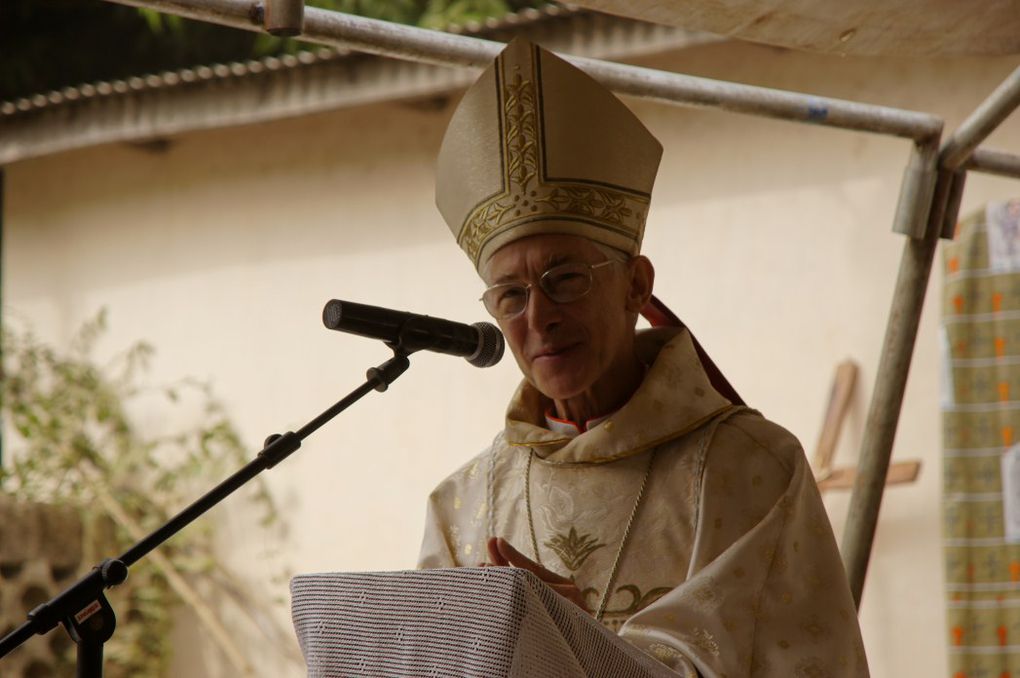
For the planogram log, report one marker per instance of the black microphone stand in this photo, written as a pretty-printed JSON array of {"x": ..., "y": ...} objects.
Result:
[{"x": 83, "y": 608}]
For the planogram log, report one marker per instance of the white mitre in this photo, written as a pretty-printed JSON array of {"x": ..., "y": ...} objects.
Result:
[{"x": 536, "y": 146}]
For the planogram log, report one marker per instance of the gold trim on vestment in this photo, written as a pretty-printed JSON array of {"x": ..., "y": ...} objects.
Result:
[{"x": 627, "y": 453}]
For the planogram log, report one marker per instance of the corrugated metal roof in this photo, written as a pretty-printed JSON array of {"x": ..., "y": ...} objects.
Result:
[
  {"x": 239, "y": 69},
  {"x": 223, "y": 95}
]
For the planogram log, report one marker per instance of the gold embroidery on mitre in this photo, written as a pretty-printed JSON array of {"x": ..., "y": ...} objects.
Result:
[{"x": 527, "y": 196}]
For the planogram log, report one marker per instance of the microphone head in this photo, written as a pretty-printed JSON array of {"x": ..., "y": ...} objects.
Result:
[
  {"x": 490, "y": 346},
  {"x": 332, "y": 313}
]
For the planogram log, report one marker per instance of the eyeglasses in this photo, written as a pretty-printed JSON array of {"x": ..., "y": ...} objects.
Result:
[{"x": 562, "y": 284}]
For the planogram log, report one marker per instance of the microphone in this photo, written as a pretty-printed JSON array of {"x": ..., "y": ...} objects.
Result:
[{"x": 480, "y": 344}]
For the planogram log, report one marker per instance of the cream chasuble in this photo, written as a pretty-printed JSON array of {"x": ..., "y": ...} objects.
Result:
[{"x": 730, "y": 567}]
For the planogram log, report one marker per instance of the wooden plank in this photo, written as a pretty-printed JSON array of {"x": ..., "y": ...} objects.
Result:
[
  {"x": 900, "y": 473},
  {"x": 839, "y": 402}
]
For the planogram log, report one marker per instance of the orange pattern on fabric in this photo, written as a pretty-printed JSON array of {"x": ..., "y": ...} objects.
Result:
[{"x": 981, "y": 291}]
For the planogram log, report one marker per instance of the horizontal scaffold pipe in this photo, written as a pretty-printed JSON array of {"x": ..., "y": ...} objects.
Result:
[
  {"x": 995, "y": 162},
  {"x": 384, "y": 38}
]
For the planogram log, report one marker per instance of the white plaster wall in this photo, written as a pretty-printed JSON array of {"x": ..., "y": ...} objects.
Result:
[{"x": 772, "y": 241}]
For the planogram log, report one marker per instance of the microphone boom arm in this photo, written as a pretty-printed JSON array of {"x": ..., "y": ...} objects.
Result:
[{"x": 83, "y": 608}]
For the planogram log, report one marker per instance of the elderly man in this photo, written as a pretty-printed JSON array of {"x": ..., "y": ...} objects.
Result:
[{"x": 622, "y": 478}]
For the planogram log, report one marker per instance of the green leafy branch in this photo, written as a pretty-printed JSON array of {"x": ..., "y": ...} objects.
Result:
[{"x": 76, "y": 444}]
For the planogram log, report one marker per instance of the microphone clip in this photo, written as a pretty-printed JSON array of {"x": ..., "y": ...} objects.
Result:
[{"x": 386, "y": 373}]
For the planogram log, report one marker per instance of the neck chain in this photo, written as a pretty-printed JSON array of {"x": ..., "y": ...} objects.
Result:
[{"x": 623, "y": 540}]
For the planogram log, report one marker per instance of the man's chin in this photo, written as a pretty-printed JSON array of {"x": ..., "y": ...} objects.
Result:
[
  {"x": 561, "y": 376},
  {"x": 557, "y": 388}
]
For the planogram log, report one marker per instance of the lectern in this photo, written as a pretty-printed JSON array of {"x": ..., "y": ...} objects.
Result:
[{"x": 492, "y": 622}]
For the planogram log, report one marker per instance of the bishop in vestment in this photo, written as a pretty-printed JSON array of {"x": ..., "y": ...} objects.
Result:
[{"x": 688, "y": 523}]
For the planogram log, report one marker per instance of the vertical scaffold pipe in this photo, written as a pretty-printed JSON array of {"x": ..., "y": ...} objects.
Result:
[{"x": 890, "y": 384}]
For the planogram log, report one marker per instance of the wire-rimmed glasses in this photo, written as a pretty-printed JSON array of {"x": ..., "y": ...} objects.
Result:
[{"x": 562, "y": 284}]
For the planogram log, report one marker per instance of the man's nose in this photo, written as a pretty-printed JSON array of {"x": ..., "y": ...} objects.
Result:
[{"x": 542, "y": 312}]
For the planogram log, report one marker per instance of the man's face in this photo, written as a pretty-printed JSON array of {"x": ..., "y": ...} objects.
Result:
[{"x": 565, "y": 349}]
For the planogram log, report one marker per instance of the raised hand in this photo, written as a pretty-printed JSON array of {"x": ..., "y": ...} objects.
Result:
[{"x": 503, "y": 554}]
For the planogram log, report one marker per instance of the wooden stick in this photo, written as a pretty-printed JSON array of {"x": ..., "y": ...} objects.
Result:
[
  {"x": 843, "y": 478},
  {"x": 839, "y": 402}
]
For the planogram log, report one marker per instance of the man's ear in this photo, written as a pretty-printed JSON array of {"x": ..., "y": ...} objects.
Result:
[{"x": 642, "y": 277}]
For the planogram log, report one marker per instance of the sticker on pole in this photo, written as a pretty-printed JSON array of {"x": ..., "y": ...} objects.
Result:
[
  {"x": 1011, "y": 493},
  {"x": 89, "y": 610}
]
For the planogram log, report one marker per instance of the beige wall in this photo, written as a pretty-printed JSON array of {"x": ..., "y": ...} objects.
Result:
[{"x": 772, "y": 240}]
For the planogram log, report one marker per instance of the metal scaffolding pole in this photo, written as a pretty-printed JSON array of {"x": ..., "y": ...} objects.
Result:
[
  {"x": 928, "y": 185},
  {"x": 982, "y": 122},
  {"x": 901, "y": 330},
  {"x": 887, "y": 397},
  {"x": 384, "y": 38},
  {"x": 994, "y": 162}
]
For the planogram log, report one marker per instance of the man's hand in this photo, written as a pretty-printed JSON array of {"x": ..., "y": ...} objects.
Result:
[{"x": 502, "y": 554}]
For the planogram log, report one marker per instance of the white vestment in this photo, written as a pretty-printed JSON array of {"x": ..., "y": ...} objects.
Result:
[{"x": 730, "y": 566}]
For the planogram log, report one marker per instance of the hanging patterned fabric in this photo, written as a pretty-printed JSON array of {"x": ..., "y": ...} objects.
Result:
[{"x": 981, "y": 439}]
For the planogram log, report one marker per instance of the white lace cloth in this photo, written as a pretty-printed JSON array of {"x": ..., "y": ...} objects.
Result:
[{"x": 492, "y": 621}]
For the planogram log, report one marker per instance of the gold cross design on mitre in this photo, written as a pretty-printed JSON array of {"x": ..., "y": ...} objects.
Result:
[{"x": 529, "y": 195}]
